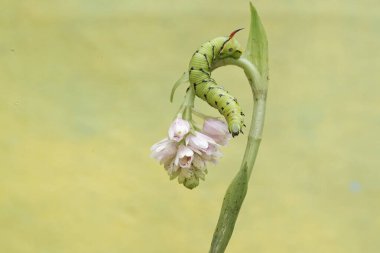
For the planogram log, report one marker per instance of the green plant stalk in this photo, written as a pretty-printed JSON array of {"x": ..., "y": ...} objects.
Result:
[
  {"x": 254, "y": 62},
  {"x": 238, "y": 188},
  {"x": 188, "y": 104}
]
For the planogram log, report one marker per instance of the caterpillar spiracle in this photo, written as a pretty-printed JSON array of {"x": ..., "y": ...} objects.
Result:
[{"x": 207, "y": 89}]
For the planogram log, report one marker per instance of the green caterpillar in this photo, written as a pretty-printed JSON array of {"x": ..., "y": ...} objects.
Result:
[{"x": 206, "y": 88}]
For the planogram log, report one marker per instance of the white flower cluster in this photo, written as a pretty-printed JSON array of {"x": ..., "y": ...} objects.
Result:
[{"x": 185, "y": 151}]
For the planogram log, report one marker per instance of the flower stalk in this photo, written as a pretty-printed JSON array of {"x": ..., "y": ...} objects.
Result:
[
  {"x": 188, "y": 104},
  {"x": 255, "y": 66},
  {"x": 238, "y": 188}
]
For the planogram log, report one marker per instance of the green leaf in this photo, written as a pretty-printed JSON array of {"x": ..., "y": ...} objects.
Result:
[
  {"x": 233, "y": 199},
  {"x": 257, "y": 45},
  {"x": 183, "y": 79}
]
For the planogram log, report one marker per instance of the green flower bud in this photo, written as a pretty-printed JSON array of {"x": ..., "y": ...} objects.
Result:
[{"x": 191, "y": 182}]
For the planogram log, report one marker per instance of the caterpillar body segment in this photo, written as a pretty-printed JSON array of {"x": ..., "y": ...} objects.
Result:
[{"x": 207, "y": 89}]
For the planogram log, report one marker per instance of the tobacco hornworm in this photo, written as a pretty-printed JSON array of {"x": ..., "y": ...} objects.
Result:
[{"x": 206, "y": 88}]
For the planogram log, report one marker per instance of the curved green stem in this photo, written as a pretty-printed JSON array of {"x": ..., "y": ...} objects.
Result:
[{"x": 238, "y": 188}]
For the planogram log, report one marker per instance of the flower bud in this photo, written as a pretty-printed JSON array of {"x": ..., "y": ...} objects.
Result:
[
  {"x": 217, "y": 130},
  {"x": 178, "y": 129},
  {"x": 191, "y": 182}
]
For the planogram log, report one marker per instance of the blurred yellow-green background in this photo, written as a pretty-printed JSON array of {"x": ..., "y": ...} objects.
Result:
[{"x": 84, "y": 89}]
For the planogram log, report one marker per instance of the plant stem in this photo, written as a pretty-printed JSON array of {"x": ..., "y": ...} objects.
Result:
[
  {"x": 188, "y": 104},
  {"x": 238, "y": 188}
]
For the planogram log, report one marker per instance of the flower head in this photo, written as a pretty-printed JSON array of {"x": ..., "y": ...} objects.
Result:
[{"x": 185, "y": 153}]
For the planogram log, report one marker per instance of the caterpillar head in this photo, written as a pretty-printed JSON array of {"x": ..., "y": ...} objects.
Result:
[
  {"x": 235, "y": 129},
  {"x": 231, "y": 47}
]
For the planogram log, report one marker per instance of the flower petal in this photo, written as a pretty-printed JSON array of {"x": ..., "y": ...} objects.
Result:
[
  {"x": 164, "y": 150},
  {"x": 199, "y": 141}
]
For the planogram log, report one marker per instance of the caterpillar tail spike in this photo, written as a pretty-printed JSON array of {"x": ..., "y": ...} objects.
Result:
[
  {"x": 200, "y": 67},
  {"x": 234, "y": 32}
]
